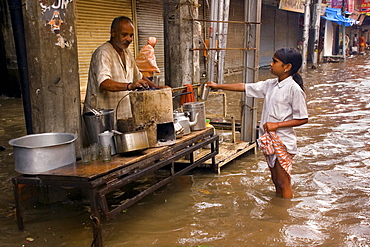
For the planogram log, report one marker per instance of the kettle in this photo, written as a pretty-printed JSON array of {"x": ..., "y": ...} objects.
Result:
[{"x": 184, "y": 120}]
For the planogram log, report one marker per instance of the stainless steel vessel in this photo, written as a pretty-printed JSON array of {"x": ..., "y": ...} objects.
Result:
[
  {"x": 98, "y": 123},
  {"x": 37, "y": 153},
  {"x": 197, "y": 111},
  {"x": 134, "y": 141},
  {"x": 184, "y": 121}
]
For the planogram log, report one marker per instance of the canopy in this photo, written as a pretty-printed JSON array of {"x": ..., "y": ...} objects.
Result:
[{"x": 335, "y": 15}]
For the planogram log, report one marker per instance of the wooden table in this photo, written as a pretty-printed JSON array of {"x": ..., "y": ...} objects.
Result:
[{"x": 101, "y": 178}]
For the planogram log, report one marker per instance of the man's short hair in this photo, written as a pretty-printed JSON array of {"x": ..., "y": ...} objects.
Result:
[{"x": 118, "y": 20}]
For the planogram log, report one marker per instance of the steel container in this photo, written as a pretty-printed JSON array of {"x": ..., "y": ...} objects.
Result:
[
  {"x": 205, "y": 91},
  {"x": 105, "y": 139},
  {"x": 37, "y": 153},
  {"x": 197, "y": 112},
  {"x": 134, "y": 141},
  {"x": 98, "y": 124}
]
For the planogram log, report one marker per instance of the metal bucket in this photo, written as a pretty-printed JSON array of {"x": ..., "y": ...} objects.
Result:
[
  {"x": 193, "y": 108},
  {"x": 34, "y": 154},
  {"x": 98, "y": 124}
]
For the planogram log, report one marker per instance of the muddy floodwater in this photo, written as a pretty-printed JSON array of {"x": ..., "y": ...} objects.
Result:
[{"x": 330, "y": 180}]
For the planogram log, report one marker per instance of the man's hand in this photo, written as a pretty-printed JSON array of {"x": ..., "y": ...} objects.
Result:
[{"x": 140, "y": 84}]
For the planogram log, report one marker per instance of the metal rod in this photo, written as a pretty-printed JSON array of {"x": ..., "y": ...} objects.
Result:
[
  {"x": 176, "y": 89},
  {"x": 233, "y": 128},
  {"x": 220, "y": 49},
  {"x": 306, "y": 29},
  {"x": 16, "y": 15},
  {"x": 221, "y": 42},
  {"x": 317, "y": 35},
  {"x": 230, "y": 22}
]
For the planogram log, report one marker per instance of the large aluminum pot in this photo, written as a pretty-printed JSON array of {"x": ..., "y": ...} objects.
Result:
[
  {"x": 37, "y": 153},
  {"x": 129, "y": 142}
]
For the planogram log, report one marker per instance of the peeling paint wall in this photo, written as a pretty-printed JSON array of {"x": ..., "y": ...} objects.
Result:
[
  {"x": 53, "y": 65},
  {"x": 55, "y": 17}
]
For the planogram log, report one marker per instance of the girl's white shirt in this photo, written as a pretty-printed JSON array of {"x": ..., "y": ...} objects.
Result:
[{"x": 284, "y": 101}]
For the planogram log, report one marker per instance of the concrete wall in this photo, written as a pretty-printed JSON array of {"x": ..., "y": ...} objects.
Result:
[
  {"x": 178, "y": 40},
  {"x": 53, "y": 66}
]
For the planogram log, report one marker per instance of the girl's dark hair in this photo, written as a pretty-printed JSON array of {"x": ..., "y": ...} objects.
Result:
[{"x": 294, "y": 57}]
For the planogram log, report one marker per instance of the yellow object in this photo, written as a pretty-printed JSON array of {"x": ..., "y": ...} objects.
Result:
[{"x": 209, "y": 125}]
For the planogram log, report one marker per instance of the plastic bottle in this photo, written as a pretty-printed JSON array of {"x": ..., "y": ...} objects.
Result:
[{"x": 208, "y": 124}]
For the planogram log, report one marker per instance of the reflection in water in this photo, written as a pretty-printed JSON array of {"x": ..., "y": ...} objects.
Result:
[{"x": 331, "y": 178}]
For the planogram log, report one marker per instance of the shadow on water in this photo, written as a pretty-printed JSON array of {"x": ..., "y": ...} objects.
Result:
[{"x": 331, "y": 177}]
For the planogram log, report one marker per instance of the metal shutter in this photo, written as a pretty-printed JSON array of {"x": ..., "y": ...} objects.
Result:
[
  {"x": 93, "y": 21},
  {"x": 150, "y": 24}
]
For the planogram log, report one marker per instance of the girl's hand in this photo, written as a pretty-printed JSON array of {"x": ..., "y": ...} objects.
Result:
[
  {"x": 269, "y": 126},
  {"x": 211, "y": 84}
]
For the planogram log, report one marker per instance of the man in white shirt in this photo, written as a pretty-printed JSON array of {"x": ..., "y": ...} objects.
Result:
[{"x": 113, "y": 71}]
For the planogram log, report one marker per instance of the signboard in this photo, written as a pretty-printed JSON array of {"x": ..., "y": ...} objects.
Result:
[
  {"x": 349, "y": 5},
  {"x": 365, "y": 7},
  {"x": 293, "y": 5}
]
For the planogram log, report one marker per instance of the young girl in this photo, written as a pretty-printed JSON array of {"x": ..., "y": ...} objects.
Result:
[{"x": 284, "y": 108}]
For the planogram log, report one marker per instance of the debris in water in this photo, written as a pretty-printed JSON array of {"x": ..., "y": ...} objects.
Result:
[
  {"x": 206, "y": 192},
  {"x": 29, "y": 240}
]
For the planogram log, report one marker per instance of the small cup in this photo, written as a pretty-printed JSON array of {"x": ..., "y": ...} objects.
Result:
[
  {"x": 86, "y": 155},
  {"x": 105, "y": 153},
  {"x": 94, "y": 147}
]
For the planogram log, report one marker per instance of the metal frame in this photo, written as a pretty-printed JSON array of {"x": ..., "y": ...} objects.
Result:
[{"x": 100, "y": 184}]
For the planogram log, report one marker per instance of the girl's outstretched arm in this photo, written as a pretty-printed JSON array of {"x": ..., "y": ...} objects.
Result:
[
  {"x": 238, "y": 87},
  {"x": 269, "y": 126}
]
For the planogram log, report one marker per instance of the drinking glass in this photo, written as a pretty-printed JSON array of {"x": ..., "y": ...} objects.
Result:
[
  {"x": 86, "y": 155},
  {"x": 105, "y": 153},
  {"x": 94, "y": 147}
]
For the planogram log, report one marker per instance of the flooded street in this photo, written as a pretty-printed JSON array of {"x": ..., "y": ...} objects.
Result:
[{"x": 330, "y": 180}]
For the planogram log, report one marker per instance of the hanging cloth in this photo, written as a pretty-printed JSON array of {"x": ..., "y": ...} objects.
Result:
[
  {"x": 273, "y": 148},
  {"x": 187, "y": 97}
]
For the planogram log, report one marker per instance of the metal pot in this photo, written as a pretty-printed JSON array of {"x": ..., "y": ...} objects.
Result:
[
  {"x": 197, "y": 112},
  {"x": 34, "y": 154},
  {"x": 134, "y": 141},
  {"x": 184, "y": 121}
]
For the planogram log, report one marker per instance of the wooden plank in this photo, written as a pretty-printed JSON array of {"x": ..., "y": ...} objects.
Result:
[
  {"x": 228, "y": 151},
  {"x": 237, "y": 153}
]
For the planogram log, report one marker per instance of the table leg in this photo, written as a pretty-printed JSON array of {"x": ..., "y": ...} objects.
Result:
[
  {"x": 95, "y": 217},
  {"x": 18, "y": 208},
  {"x": 214, "y": 148}
]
